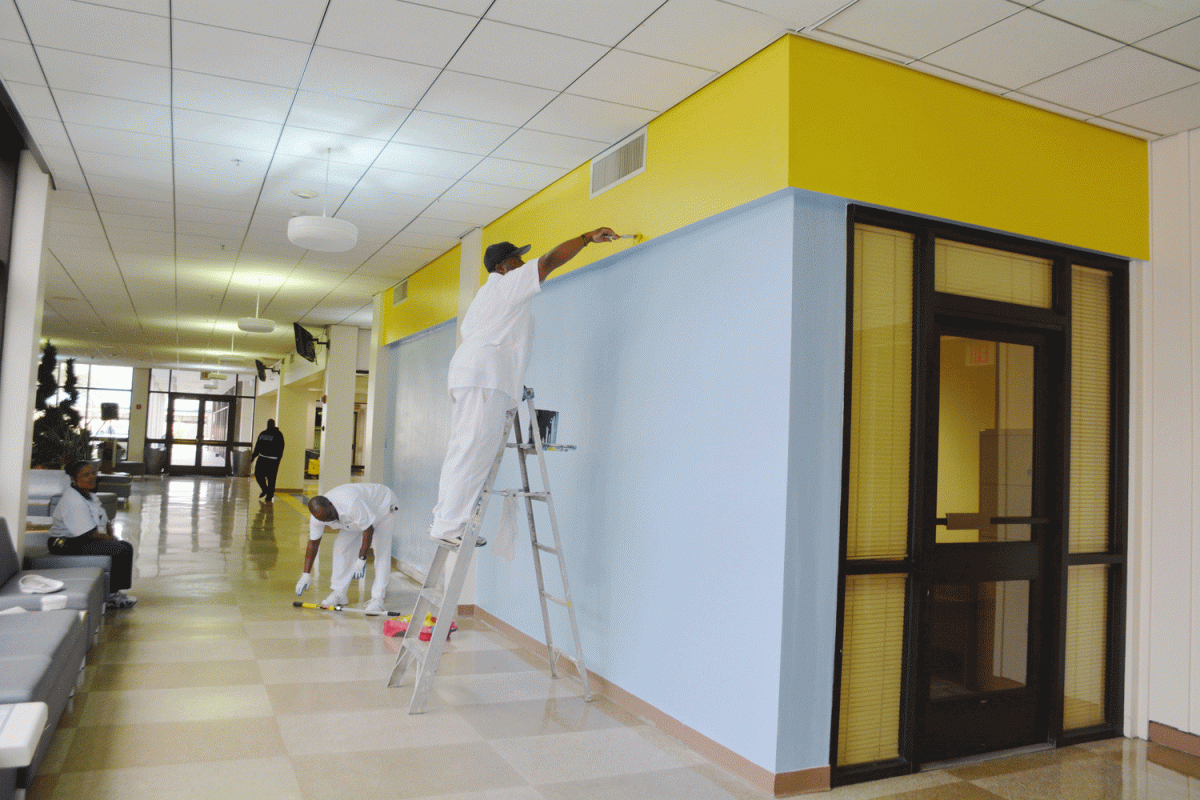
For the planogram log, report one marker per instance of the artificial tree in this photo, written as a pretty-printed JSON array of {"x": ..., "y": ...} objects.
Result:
[{"x": 58, "y": 437}]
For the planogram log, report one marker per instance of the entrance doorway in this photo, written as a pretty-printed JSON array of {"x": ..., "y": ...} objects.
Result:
[
  {"x": 983, "y": 568},
  {"x": 199, "y": 434}
]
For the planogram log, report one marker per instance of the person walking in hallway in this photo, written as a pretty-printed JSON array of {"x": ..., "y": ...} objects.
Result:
[{"x": 268, "y": 449}]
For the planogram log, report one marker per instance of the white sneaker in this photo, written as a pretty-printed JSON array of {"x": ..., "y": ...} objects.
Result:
[
  {"x": 335, "y": 599},
  {"x": 374, "y": 608}
]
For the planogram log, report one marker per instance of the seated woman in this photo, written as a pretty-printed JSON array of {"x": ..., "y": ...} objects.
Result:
[{"x": 81, "y": 527}]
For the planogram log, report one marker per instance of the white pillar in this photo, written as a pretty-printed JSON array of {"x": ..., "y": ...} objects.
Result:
[
  {"x": 22, "y": 331},
  {"x": 337, "y": 430},
  {"x": 378, "y": 381},
  {"x": 139, "y": 401}
]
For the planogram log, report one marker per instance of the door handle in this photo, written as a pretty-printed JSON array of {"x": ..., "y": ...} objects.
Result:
[{"x": 975, "y": 520}]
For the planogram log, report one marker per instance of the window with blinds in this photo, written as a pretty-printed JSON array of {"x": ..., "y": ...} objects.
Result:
[
  {"x": 974, "y": 271},
  {"x": 1091, "y": 418},
  {"x": 881, "y": 390},
  {"x": 872, "y": 653},
  {"x": 1086, "y": 646}
]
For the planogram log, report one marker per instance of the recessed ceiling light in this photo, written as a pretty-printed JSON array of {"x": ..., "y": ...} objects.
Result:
[{"x": 307, "y": 194}]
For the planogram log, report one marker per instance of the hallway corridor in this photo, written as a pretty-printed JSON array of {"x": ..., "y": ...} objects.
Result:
[{"x": 216, "y": 686}]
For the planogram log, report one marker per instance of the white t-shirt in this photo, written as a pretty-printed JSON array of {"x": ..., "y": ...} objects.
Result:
[
  {"x": 76, "y": 515},
  {"x": 359, "y": 506},
  {"x": 497, "y": 333}
]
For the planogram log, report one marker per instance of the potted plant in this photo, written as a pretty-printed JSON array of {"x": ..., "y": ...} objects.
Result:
[{"x": 58, "y": 437}]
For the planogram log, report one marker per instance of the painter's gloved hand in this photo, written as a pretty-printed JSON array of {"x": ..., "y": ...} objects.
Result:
[
  {"x": 360, "y": 568},
  {"x": 303, "y": 584}
]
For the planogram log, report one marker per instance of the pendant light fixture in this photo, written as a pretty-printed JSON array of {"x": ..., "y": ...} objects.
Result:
[
  {"x": 323, "y": 233},
  {"x": 256, "y": 324}
]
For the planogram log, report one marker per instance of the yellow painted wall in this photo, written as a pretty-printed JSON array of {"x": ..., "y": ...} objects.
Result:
[
  {"x": 432, "y": 299},
  {"x": 880, "y": 133},
  {"x": 808, "y": 115}
]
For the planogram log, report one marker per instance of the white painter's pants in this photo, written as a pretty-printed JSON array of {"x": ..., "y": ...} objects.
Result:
[
  {"x": 345, "y": 553},
  {"x": 476, "y": 433}
]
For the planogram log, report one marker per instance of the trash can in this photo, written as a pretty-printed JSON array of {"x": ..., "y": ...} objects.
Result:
[
  {"x": 312, "y": 463},
  {"x": 241, "y": 462},
  {"x": 156, "y": 459}
]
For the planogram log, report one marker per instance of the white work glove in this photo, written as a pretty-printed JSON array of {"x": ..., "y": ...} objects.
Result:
[
  {"x": 360, "y": 569},
  {"x": 303, "y": 584}
]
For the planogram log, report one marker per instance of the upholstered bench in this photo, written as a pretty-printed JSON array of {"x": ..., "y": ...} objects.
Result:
[{"x": 84, "y": 588}]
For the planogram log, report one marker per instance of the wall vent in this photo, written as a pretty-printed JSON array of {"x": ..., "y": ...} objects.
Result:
[
  {"x": 619, "y": 163},
  {"x": 400, "y": 293}
]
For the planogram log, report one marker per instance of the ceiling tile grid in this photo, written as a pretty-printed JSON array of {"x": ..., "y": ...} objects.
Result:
[{"x": 179, "y": 132}]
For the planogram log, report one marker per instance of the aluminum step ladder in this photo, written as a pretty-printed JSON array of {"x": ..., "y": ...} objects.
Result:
[{"x": 437, "y": 594}]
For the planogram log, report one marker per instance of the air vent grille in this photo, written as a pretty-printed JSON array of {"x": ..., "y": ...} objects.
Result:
[
  {"x": 400, "y": 293},
  {"x": 619, "y": 163}
]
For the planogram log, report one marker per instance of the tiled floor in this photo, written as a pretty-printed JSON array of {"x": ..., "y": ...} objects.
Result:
[{"x": 215, "y": 686}]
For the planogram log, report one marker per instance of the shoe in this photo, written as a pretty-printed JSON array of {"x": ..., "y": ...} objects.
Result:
[
  {"x": 120, "y": 600},
  {"x": 262, "y": 494},
  {"x": 374, "y": 608},
  {"x": 335, "y": 599}
]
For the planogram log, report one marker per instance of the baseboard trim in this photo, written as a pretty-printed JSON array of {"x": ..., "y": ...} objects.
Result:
[
  {"x": 779, "y": 785},
  {"x": 1174, "y": 738}
]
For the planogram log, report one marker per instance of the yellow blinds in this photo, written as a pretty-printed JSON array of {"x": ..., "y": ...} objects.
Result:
[
  {"x": 1090, "y": 413},
  {"x": 881, "y": 390},
  {"x": 1086, "y": 645},
  {"x": 872, "y": 654},
  {"x": 974, "y": 271}
]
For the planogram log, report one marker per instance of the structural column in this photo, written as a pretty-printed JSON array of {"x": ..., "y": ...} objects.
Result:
[
  {"x": 291, "y": 415},
  {"x": 22, "y": 330},
  {"x": 337, "y": 428}
]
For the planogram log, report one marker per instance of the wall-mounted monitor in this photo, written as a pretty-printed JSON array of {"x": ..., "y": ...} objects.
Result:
[{"x": 306, "y": 343}]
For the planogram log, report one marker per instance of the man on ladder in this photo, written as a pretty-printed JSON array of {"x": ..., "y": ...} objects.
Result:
[{"x": 487, "y": 372}]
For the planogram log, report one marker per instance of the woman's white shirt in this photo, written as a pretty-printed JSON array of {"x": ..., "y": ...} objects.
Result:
[{"x": 76, "y": 515}]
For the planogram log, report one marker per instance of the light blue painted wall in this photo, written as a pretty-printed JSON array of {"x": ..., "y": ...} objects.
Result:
[
  {"x": 419, "y": 430},
  {"x": 699, "y": 374}
]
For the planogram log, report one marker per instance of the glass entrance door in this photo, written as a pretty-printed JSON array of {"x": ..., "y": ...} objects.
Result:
[
  {"x": 983, "y": 566},
  {"x": 198, "y": 434}
]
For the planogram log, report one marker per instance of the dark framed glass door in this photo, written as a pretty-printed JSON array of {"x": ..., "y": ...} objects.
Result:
[
  {"x": 199, "y": 428},
  {"x": 985, "y": 554}
]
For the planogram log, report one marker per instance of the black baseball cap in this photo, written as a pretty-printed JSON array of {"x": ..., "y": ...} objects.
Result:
[{"x": 500, "y": 251}]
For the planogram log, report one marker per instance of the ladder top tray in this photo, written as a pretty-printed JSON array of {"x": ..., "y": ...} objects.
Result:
[{"x": 545, "y": 447}]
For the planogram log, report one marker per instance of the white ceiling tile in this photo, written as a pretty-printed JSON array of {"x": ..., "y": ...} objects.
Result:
[
  {"x": 33, "y": 100},
  {"x": 324, "y": 112},
  {"x": 382, "y": 210},
  {"x": 231, "y": 97},
  {"x": 516, "y": 174},
  {"x": 521, "y": 55},
  {"x": 110, "y": 77},
  {"x": 363, "y": 77},
  {"x": 1113, "y": 81},
  {"x": 1037, "y": 102},
  {"x": 1126, "y": 20},
  {"x": 160, "y": 7},
  {"x": 47, "y": 132},
  {"x": 955, "y": 77},
  {"x": 422, "y": 240},
  {"x": 704, "y": 33},
  {"x": 116, "y": 166},
  {"x": 426, "y": 160},
  {"x": 592, "y": 119},
  {"x": 221, "y": 159},
  {"x": 237, "y": 54},
  {"x": 18, "y": 63},
  {"x": 457, "y": 211},
  {"x": 110, "y": 112},
  {"x": 98, "y": 30},
  {"x": 642, "y": 81},
  {"x": 501, "y": 198},
  {"x": 1121, "y": 128},
  {"x": 288, "y": 19},
  {"x": 550, "y": 149},
  {"x": 155, "y": 191},
  {"x": 136, "y": 222},
  {"x": 459, "y": 95},
  {"x": 916, "y": 28},
  {"x": 452, "y": 133},
  {"x": 308, "y": 143},
  {"x": 796, "y": 14},
  {"x": 11, "y": 26},
  {"x": 1167, "y": 115},
  {"x": 418, "y": 187},
  {"x": 435, "y": 226},
  {"x": 1181, "y": 43},
  {"x": 124, "y": 205},
  {"x": 200, "y": 126},
  {"x": 1021, "y": 49},
  {"x": 63, "y": 164},
  {"x": 204, "y": 215},
  {"x": 122, "y": 143},
  {"x": 407, "y": 31},
  {"x": 577, "y": 18}
]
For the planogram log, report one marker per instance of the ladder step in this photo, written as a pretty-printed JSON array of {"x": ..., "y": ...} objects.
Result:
[
  {"x": 545, "y": 548},
  {"x": 435, "y": 597},
  {"x": 530, "y": 495},
  {"x": 554, "y": 599}
]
